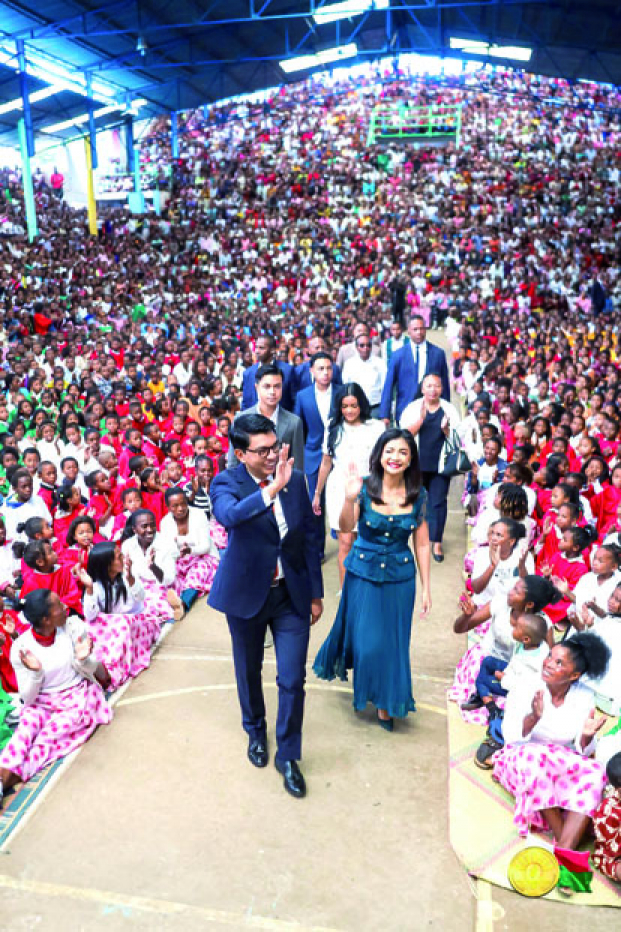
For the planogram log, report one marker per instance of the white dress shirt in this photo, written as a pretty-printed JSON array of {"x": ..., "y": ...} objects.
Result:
[
  {"x": 422, "y": 357},
  {"x": 324, "y": 403},
  {"x": 369, "y": 374},
  {"x": 281, "y": 521}
]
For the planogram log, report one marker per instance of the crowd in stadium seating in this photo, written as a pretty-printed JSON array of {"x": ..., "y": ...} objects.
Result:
[{"x": 127, "y": 357}]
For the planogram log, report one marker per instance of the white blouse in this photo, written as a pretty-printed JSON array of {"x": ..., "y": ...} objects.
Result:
[
  {"x": 165, "y": 557},
  {"x": 198, "y": 537},
  {"x": 562, "y": 724},
  {"x": 355, "y": 445},
  {"x": 59, "y": 668},
  {"x": 589, "y": 590},
  {"x": 130, "y": 604},
  {"x": 498, "y": 640}
]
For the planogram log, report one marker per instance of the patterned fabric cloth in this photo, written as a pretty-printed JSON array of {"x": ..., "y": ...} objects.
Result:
[
  {"x": 465, "y": 677},
  {"x": 195, "y": 572},
  {"x": 542, "y": 776},
  {"x": 53, "y": 726},
  {"x": 123, "y": 642},
  {"x": 607, "y": 825}
]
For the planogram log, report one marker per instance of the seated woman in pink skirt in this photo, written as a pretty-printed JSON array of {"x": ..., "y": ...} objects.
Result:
[
  {"x": 549, "y": 729},
  {"x": 124, "y": 627},
  {"x": 60, "y": 683},
  {"x": 198, "y": 555}
]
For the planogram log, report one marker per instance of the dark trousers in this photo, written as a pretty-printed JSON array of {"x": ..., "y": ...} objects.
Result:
[
  {"x": 291, "y": 633},
  {"x": 320, "y": 520},
  {"x": 437, "y": 507},
  {"x": 486, "y": 683}
]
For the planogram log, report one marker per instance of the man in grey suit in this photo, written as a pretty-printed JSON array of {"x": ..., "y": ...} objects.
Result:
[{"x": 269, "y": 384}]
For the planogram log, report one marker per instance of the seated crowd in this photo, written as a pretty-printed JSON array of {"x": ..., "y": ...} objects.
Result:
[{"x": 286, "y": 248}]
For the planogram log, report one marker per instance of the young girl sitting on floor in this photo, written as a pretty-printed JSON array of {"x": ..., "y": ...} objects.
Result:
[
  {"x": 569, "y": 566},
  {"x": 42, "y": 572}
]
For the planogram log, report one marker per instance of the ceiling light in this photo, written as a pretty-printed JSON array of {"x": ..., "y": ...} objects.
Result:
[
  {"x": 324, "y": 57},
  {"x": 17, "y": 102},
  {"x": 331, "y": 12},
  {"x": 476, "y": 47},
  {"x": 79, "y": 120}
]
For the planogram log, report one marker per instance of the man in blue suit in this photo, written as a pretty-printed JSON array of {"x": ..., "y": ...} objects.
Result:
[
  {"x": 409, "y": 366},
  {"x": 313, "y": 405},
  {"x": 265, "y": 355},
  {"x": 270, "y": 574},
  {"x": 302, "y": 375}
]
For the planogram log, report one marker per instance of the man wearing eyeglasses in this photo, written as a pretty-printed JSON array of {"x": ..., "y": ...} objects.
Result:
[
  {"x": 367, "y": 370},
  {"x": 269, "y": 576}
]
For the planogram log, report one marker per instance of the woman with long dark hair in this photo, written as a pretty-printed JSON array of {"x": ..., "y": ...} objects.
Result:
[
  {"x": 371, "y": 632},
  {"x": 114, "y": 607},
  {"x": 351, "y": 435}
]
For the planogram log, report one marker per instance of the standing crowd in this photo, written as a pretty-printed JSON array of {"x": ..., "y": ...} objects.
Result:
[{"x": 196, "y": 396}]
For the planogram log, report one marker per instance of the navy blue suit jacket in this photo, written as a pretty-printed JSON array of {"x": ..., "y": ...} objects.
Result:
[
  {"x": 402, "y": 376},
  {"x": 302, "y": 376},
  {"x": 244, "y": 576},
  {"x": 314, "y": 431},
  {"x": 249, "y": 391}
]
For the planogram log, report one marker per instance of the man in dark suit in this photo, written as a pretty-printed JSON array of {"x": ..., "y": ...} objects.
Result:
[
  {"x": 269, "y": 575},
  {"x": 265, "y": 354},
  {"x": 268, "y": 381},
  {"x": 313, "y": 405},
  {"x": 409, "y": 366},
  {"x": 302, "y": 375}
]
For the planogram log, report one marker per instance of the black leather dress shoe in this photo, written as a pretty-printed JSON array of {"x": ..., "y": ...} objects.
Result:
[
  {"x": 294, "y": 781},
  {"x": 257, "y": 752}
]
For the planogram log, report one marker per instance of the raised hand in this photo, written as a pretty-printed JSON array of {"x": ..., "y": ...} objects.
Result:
[
  {"x": 561, "y": 584},
  {"x": 466, "y": 604},
  {"x": 284, "y": 468},
  {"x": 592, "y": 725},
  {"x": 537, "y": 705},
  {"x": 586, "y": 616},
  {"x": 494, "y": 554},
  {"x": 83, "y": 647},
  {"x": 29, "y": 660},
  {"x": 82, "y": 577},
  {"x": 353, "y": 483}
]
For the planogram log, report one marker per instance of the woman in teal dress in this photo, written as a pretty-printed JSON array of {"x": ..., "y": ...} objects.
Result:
[{"x": 371, "y": 632}]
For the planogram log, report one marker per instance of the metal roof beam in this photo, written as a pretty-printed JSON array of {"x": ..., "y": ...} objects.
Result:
[{"x": 253, "y": 16}]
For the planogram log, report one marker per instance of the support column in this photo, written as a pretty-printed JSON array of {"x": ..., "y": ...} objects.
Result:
[
  {"x": 23, "y": 87},
  {"x": 31, "y": 214},
  {"x": 174, "y": 134},
  {"x": 136, "y": 197},
  {"x": 91, "y": 204},
  {"x": 92, "y": 135},
  {"x": 26, "y": 143}
]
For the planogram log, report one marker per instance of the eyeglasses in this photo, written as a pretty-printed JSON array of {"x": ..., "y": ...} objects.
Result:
[
  {"x": 264, "y": 452},
  {"x": 362, "y": 345}
]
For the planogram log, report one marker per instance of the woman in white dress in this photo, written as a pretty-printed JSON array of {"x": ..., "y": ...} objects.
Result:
[{"x": 350, "y": 437}]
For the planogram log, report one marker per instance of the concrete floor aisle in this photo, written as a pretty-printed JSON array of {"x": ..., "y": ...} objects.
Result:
[{"x": 161, "y": 823}]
